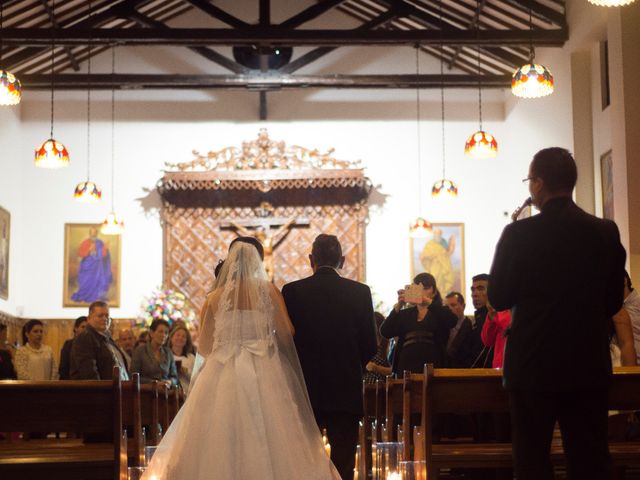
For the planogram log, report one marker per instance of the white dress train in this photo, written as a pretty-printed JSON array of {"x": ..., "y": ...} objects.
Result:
[{"x": 243, "y": 419}]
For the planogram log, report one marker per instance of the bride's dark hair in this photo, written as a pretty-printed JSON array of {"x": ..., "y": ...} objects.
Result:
[{"x": 251, "y": 241}]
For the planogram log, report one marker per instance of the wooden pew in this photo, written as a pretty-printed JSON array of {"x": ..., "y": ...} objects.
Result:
[
  {"x": 480, "y": 390},
  {"x": 411, "y": 405},
  {"x": 163, "y": 405},
  {"x": 377, "y": 426},
  {"x": 393, "y": 407},
  {"x": 87, "y": 407},
  {"x": 365, "y": 432},
  {"x": 132, "y": 420},
  {"x": 174, "y": 402},
  {"x": 149, "y": 413}
]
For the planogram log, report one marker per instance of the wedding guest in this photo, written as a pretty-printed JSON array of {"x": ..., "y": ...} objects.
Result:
[
  {"x": 184, "y": 354},
  {"x": 143, "y": 338},
  {"x": 378, "y": 367},
  {"x": 7, "y": 372},
  {"x": 65, "y": 354},
  {"x": 494, "y": 333},
  {"x": 126, "y": 341},
  {"x": 154, "y": 360},
  {"x": 94, "y": 353},
  {"x": 626, "y": 328},
  {"x": 460, "y": 341},
  {"x": 34, "y": 361},
  {"x": 422, "y": 329}
]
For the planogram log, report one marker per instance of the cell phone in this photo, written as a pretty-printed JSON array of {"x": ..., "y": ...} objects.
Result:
[{"x": 413, "y": 294}]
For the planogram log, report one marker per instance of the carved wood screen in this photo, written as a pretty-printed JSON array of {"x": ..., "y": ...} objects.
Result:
[{"x": 264, "y": 183}]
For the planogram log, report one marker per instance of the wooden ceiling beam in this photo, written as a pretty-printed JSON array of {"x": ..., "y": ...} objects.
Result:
[
  {"x": 274, "y": 36},
  {"x": 260, "y": 82}
]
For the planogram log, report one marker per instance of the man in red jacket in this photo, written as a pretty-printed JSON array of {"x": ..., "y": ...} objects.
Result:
[{"x": 493, "y": 333}]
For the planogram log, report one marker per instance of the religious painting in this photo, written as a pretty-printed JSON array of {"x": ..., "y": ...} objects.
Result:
[
  {"x": 5, "y": 234},
  {"x": 441, "y": 253},
  {"x": 606, "y": 179},
  {"x": 91, "y": 266}
]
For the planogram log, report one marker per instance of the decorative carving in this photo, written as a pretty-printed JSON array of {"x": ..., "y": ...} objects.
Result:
[
  {"x": 262, "y": 154},
  {"x": 263, "y": 184}
]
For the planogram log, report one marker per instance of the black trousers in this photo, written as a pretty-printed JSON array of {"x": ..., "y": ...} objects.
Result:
[
  {"x": 582, "y": 416},
  {"x": 342, "y": 433}
]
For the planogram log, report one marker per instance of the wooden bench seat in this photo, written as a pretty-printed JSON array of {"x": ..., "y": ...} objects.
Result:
[{"x": 80, "y": 407}]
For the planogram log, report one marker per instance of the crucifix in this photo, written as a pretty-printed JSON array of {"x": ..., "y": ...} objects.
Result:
[{"x": 264, "y": 229}]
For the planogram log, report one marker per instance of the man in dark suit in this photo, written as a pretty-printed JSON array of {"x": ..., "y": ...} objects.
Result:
[
  {"x": 93, "y": 352},
  {"x": 335, "y": 338},
  {"x": 561, "y": 272}
]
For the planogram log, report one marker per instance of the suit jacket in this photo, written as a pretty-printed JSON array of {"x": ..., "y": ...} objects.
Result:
[
  {"x": 91, "y": 358},
  {"x": 65, "y": 360},
  {"x": 561, "y": 273},
  {"x": 335, "y": 337}
]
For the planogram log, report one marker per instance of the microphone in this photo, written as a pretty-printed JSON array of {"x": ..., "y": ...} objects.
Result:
[{"x": 527, "y": 202}]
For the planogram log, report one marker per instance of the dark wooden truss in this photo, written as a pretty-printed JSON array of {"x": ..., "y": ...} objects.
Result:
[{"x": 486, "y": 39}]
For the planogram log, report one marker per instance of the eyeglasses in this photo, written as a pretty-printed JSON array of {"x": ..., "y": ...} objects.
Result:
[{"x": 528, "y": 179}]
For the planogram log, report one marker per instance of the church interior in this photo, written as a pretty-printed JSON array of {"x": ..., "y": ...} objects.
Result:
[{"x": 397, "y": 125}]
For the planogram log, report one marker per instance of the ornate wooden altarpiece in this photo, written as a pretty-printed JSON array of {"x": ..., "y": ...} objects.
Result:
[{"x": 283, "y": 195}]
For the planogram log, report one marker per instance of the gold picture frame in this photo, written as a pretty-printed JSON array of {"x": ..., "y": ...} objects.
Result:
[
  {"x": 606, "y": 180},
  {"x": 5, "y": 238},
  {"x": 91, "y": 266},
  {"x": 441, "y": 253}
]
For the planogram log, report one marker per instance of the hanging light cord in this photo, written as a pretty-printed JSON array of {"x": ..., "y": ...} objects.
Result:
[
  {"x": 442, "y": 87},
  {"x": 1, "y": 26},
  {"x": 89, "y": 97},
  {"x": 532, "y": 53},
  {"x": 53, "y": 53},
  {"x": 418, "y": 124},
  {"x": 113, "y": 127},
  {"x": 479, "y": 71}
]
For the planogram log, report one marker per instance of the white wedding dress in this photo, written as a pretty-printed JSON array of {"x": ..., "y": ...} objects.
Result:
[{"x": 247, "y": 415}]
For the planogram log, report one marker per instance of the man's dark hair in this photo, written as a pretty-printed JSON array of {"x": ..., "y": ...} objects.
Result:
[
  {"x": 3, "y": 327},
  {"x": 628, "y": 281},
  {"x": 28, "y": 327},
  {"x": 326, "y": 251},
  {"x": 156, "y": 323},
  {"x": 98, "y": 304},
  {"x": 480, "y": 277},
  {"x": 458, "y": 296},
  {"x": 216, "y": 271},
  {"x": 427, "y": 280},
  {"x": 251, "y": 241},
  {"x": 79, "y": 321},
  {"x": 557, "y": 169}
]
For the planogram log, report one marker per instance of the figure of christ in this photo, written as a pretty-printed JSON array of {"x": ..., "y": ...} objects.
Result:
[
  {"x": 94, "y": 276},
  {"x": 268, "y": 240}
]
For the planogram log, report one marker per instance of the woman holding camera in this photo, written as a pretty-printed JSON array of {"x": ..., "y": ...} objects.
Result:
[{"x": 422, "y": 327}]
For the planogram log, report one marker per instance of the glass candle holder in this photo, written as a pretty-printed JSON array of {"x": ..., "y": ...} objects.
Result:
[
  {"x": 148, "y": 454},
  {"x": 386, "y": 458},
  {"x": 413, "y": 470},
  {"x": 135, "y": 473}
]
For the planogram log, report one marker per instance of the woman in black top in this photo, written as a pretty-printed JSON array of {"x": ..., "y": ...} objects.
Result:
[{"x": 422, "y": 329}]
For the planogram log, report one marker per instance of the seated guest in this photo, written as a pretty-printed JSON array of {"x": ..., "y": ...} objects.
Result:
[
  {"x": 7, "y": 372},
  {"x": 94, "y": 353},
  {"x": 65, "y": 354},
  {"x": 625, "y": 341},
  {"x": 34, "y": 361},
  {"x": 183, "y": 353},
  {"x": 494, "y": 333},
  {"x": 422, "y": 329},
  {"x": 459, "y": 342},
  {"x": 143, "y": 338},
  {"x": 154, "y": 360},
  {"x": 378, "y": 367},
  {"x": 481, "y": 355},
  {"x": 127, "y": 341}
]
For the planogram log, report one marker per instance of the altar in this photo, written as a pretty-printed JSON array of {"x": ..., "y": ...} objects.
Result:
[{"x": 283, "y": 195}]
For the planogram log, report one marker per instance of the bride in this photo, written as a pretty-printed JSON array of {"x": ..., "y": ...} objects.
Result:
[{"x": 247, "y": 415}]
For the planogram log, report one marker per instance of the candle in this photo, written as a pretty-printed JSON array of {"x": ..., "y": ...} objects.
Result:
[
  {"x": 355, "y": 474},
  {"x": 394, "y": 476},
  {"x": 325, "y": 442},
  {"x": 327, "y": 448}
]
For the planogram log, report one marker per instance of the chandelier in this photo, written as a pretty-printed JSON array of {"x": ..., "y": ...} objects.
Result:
[
  {"x": 10, "y": 87},
  {"x": 52, "y": 153},
  {"x": 611, "y": 3}
]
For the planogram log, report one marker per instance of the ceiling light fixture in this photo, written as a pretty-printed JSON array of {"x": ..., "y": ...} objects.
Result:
[{"x": 10, "y": 87}]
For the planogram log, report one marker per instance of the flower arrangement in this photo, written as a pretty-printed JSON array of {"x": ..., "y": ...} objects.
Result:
[{"x": 165, "y": 304}]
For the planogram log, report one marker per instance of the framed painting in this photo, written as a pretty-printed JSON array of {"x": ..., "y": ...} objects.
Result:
[
  {"x": 5, "y": 236},
  {"x": 441, "y": 253},
  {"x": 91, "y": 266},
  {"x": 606, "y": 179}
]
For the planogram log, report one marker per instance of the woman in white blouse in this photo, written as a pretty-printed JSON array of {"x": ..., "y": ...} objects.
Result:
[
  {"x": 34, "y": 361},
  {"x": 181, "y": 345}
]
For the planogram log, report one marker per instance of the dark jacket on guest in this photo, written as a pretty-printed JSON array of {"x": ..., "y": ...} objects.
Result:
[
  {"x": 561, "y": 273},
  {"x": 91, "y": 357},
  {"x": 145, "y": 363},
  {"x": 335, "y": 338},
  {"x": 459, "y": 353},
  {"x": 419, "y": 342},
  {"x": 65, "y": 360},
  {"x": 7, "y": 372}
]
